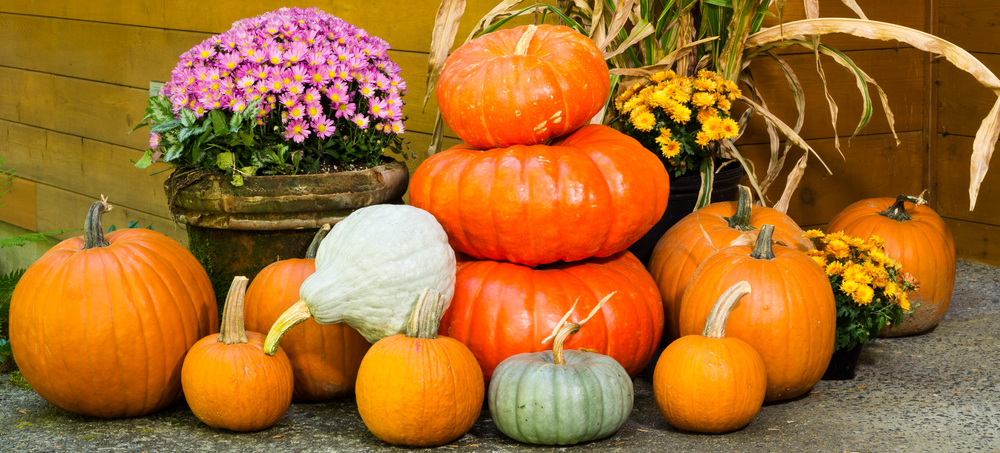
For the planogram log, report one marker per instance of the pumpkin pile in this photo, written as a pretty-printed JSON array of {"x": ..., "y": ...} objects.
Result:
[{"x": 543, "y": 204}]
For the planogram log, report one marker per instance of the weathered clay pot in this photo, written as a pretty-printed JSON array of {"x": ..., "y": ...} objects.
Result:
[{"x": 239, "y": 230}]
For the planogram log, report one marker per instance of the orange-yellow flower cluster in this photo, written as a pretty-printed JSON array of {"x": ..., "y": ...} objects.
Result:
[
  {"x": 665, "y": 106},
  {"x": 860, "y": 269}
]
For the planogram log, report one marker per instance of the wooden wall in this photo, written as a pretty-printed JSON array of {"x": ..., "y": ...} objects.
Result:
[{"x": 74, "y": 77}]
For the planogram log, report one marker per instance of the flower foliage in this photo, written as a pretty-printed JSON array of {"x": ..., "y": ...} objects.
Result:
[
  {"x": 681, "y": 118},
  {"x": 870, "y": 287},
  {"x": 280, "y": 93}
]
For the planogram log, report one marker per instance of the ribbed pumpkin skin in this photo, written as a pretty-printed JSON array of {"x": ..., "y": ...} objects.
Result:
[
  {"x": 923, "y": 246},
  {"x": 419, "y": 392},
  {"x": 790, "y": 318},
  {"x": 591, "y": 193},
  {"x": 237, "y": 386},
  {"x": 325, "y": 359},
  {"x": 502, "y": 309},
  {"x": 103, "y": 331},
  {"x": 709, "y": 385},
  {"x": 491, "y": 97},
  {"x": 694, "y": 238},
  {"x": 536, "y": 401}
]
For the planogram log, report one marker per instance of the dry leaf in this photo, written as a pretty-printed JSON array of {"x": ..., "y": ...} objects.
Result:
[{"x": 278, "y": 436}]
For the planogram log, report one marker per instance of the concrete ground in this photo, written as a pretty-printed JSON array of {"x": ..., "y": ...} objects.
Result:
[{"x": 936, "y": 392}]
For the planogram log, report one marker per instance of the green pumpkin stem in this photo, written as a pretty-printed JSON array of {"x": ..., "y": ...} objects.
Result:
[
  {"x": 762, "y": 249},
  {"x": 557, "y": 344},
  {"x": 233, "y": 330},
  {"x": 93, "y": 231},
  {"x": 426, "y": 316},
  {"x": 295, "y": 315},
  {"x": 715, "y": 325},
  {"x": 317, "y": 239},
  {"x": 744, "y": 207},
  {"x": 898, "y": 212}
]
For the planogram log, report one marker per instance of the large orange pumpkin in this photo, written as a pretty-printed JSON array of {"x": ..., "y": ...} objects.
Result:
[
  {"x": 522, "y": 86},
  {"x": 100, "y": 324},
  {"x": 591, "y": 193},
  {"x": 790, "y": 318},
  {"x": 698, "y": 235},
  {"x": 420, "y": 389},
  {"x": 228, "y": 380},
  {"x": 501, "y": 309},
  {"x": 919, "y": 240},
  {"x": 325, "y": 358}
]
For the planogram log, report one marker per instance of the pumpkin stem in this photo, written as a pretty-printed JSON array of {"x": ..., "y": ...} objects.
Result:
[
  {"x": 93, "y": 231},
  {"x": 557, "y": 344},
  {"x": 314, "y": 245},
  {"x": 898, "y": 212},
  {"x": 522, "y": 44},
  {"x": 564, "y": 330},
  {"x": 295, "y": 315},
  {"x": 762, "y": 249},
  {"x": 715, "y": 325},
  {"x": 233, "y": 330},
  {"x": 426, "y": 316},
  {"x": 744, "y": 207}
]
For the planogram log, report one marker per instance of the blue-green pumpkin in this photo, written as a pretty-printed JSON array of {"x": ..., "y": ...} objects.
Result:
[{"x": 560, "y": 397}]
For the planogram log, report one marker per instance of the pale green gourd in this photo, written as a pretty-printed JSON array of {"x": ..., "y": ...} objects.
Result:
[{"x": 369, "y": 271}]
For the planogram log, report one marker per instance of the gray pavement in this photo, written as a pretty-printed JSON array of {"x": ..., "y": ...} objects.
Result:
[{"x": 936, "y": 392}]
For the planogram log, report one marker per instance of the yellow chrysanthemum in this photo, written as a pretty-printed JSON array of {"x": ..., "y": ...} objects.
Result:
[
  {"x": 857, "y": 273},
  {"x": 659, "y": 77},
  {"x": 642, "y": 119},
  {"x": 819, "y": 259},
  {"x": 631, "y": 104},
  {"x": 732, "y": 91},
  {"x": 863, "y": 295},
  {"x": 659, "y": 98},
  {"x": 876, "y": 241},
  {"x": 723, "y": 104},
  {"x": 679, "y": 113},
  {"x": 903, "y": 301},
  {"x": 730, "y": 128},
  {"x": 702, "y": 84},
  {"x": 670, "y": 149},
  {"x": 814, "y": 234},
  {"x": 849, "y": 287},
  {"x": 834, "y": 268},
  {"x": 890, "y": 289},
  {"x": 703, "y": 100},
  {"x": 705, "y": 114},
  {"x": 703, "y": 138},
  {"x": 838, "y": 249}
]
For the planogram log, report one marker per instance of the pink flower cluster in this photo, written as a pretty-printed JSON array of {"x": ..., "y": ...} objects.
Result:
[{"x": 314, "y": 71}]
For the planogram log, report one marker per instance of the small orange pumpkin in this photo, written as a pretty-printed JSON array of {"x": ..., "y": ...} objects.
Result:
[
  {"x": 420, "y": 389},
  {"x": 691, "y": 240},
  {"x": 229, "y": 382},
  {"x": 711, "y": 383},
  {"x": 325, "y": 358},
  {"x": 919, "y": 240},
  {"x": 790, "y": 318}
]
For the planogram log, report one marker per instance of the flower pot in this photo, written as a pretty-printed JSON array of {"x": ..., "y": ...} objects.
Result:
[
  {"x": 843, "y": 364},
  {"x": 683, "y": 197},
  {"x": 239, "y": 230}
]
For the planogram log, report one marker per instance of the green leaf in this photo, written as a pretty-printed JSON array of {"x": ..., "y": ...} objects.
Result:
[
  {"x": 249, "y": 171},
  {"x": 146, "y": 160},
  {"x": 164, "y": 127},
  {"x": 237, "y": 179},
  {"x": 219, "y": 122},
  {"x": 185, "y": 133},
  {"x": 173, "y": 152},
  {"x": 225, "y": 160},
  {"x": 160, "y": 109},
  {"x": 17, "y": 241}
]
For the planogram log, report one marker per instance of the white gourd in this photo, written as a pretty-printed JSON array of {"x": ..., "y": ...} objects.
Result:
[{"x": 370, "y": 271}]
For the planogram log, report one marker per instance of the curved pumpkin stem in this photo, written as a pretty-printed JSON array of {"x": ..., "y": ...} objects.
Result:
[
  {"x": 295, "y": 315},
  {"x": 522, "y": 44},
  {"x": 426, "y": 316},
  {"x": 744, "y": 207},
  {"x": 762, "y": 249},
  {"x": 564, "y": 330},
  {"x": 898, "y": 212},
  {"x": 715, "y": 325},
  {"x": 93, "y": 231},
  {"x": 233, "y": 330},
  {"x": 317, "y": 239}
]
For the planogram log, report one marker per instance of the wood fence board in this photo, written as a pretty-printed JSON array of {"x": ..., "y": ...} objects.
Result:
[
  {"x": 952, "y": 164},
  {"x": 873, "y": 167},
  {"x": 975, "y": 242},
  {"x": 973, "y": 25},
  {"x": 17, "y": 205},
  {"x": 962, "y": 101},
  {"x": 908, "y": 13},
  {"x": 900, "y": 74}
]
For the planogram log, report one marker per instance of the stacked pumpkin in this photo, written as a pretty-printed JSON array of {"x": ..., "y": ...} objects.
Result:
[{"x": 543, "y": 204}]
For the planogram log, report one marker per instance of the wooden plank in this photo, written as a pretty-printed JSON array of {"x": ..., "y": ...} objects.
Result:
[
  {"x": 405, "y": 25},
  {"x": 975, "y": 242},
  {"x": 900, "y": 74},
  {"x": 17, "y": 205},
  {"x": 873, "y": 167},
  {"x": 908, "y": 13},
  {"x": 952, "y": 165},
  {"x": 973, "y": 25},
  {"x": 962, "y": 101},
  {"x": 59, "y": 209}
]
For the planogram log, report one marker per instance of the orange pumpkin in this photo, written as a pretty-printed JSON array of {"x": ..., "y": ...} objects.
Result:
[
  {"x": 420, "y": 389},
  {"x": 522, "y": 86},
  {"x": 919, "y": 240},
  {"x": 790, "y": 318},
  {"x": 711, "y": 383},
  {"x": 698, "y": 235},
  {"x": 229, "y": 382},
  {"x": 590, "y": 193},
  {"x": 325, "y": 358},
  {"x": 99, "y": 325}
]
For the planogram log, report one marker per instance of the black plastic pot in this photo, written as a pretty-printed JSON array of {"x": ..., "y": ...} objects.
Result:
[
  {"x": 843, "y": 364},
  {"x": 683, "y": 196}
]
